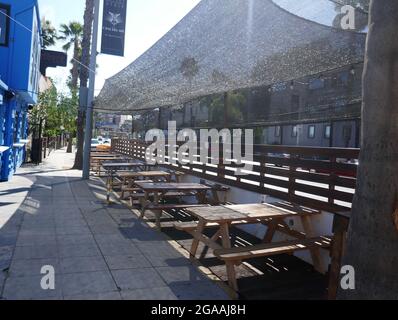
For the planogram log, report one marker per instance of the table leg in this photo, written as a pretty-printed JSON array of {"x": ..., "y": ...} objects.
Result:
[
  {"x": 108, "y": 188},
  {"x": 123, "y": 188},
  {"x": 269, "y": 235},
  {"x": 158, "y": 213},
  {"x": 201, "y": 197},
  {"x": 195, "y": 242},
  {"x": 216, "y": 199},
  {"x": 216, "y": 236},
  {"x": 231, "y": 273},
  {"x": 335, "y": 267},
  {"x": 315, "y": 252}
]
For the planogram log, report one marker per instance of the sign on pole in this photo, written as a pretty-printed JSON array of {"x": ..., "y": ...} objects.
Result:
[{"x": 114, "y": 27}]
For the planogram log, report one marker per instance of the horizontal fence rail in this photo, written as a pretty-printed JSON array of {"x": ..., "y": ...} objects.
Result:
[{"x": 321, "y": 178}]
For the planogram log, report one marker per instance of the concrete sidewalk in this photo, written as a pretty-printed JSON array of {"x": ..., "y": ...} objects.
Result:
[{"x": 49, "y": 216}]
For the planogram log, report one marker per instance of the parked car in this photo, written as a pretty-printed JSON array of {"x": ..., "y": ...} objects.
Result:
[
  {"x": 95, "y": 143},
  {"x": 350, "y": 173},
  {"x": 280, "y": 156}
]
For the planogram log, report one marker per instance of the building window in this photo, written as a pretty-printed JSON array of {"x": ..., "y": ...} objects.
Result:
[
  {"x": 295, "y": 102},
  {"x": 347, "y": 132},
  {"x": 328, "y": 131},
  {"x": 277, "y": 131},
  {"x": 294, "y": 131},
  {"x": 316, "y": 84},
  {"x": 4, "y": 24},
  {"x": 341, "y": 80},
  {"x": 16, "y": 128},
  {"x": 311, "y": 132}
]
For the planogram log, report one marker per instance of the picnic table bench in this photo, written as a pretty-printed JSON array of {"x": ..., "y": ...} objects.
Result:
[
  {"x": 128, "y": 180},
  {"x": 97, "y": 161},
  {"x": 159, "y": 190},
  {"x": 223, "y": 217},
  {"x": 112, "y": 168}
]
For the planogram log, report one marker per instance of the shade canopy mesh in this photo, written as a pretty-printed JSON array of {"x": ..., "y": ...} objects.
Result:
[{"x": 224, "y": 45}]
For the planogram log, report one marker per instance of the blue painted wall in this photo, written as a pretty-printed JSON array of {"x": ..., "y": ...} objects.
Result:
[{"x": 19, "y": 70}]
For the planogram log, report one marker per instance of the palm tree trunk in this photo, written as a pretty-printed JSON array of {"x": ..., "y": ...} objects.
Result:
[
  {"x": 84, "y": 73},
  {"x": 75, "y": 68},
  {"x": 372, "y": 244}
]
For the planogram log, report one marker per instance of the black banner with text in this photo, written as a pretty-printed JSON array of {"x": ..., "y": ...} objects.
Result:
[{"x": 114, "y": 27}]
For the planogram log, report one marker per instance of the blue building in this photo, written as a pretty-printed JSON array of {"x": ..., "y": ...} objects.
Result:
[{"x": 20, "y": 47}]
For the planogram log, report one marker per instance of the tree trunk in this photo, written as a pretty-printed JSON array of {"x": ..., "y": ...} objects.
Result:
[
  {"x": 84, "y": 74},
  {"x": 70, "y": 144},
  {"x": 372, "y": 244},
  {"x": 86, "y": 42},
  {"x": 79, "y": 141},
  {"x": 75, "y": 65}
]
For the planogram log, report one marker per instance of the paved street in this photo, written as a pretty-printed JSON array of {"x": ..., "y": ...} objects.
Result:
[{"x": 49, "y": 216}]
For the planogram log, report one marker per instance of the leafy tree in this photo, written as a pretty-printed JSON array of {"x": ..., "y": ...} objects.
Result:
[
  {"x": 236, "y": 102},
  {"x": 57, "y": 113}
]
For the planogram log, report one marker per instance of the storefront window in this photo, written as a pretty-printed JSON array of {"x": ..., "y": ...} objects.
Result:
[
  {"x": 16, "y": 127},
  {"x": 4, "y": 24}
]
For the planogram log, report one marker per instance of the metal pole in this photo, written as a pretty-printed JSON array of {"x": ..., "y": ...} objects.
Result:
[{"x": 90, "y": 98}]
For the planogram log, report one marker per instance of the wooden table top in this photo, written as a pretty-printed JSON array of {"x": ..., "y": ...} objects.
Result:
[
  {"x": 171, "y": 186},
  {"x": 93, "y": 154},
  {"x": 112, "y": 165},
  {"x": 101, "y": 158},
  {"x": 247, "y": 212},
  {"x": 144, "y": 174}
]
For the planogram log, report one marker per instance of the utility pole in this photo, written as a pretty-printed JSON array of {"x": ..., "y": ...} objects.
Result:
[{"x": 90, "y": 97}]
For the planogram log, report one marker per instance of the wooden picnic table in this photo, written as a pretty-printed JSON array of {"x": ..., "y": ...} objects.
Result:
[
  {"x": 222, "y": 217},
  {"x": 129, "y": 178},
  {"x": 97, "y": 161},
  {"x": 159, "y": 190},
  {"x": 111, "y": 169}
]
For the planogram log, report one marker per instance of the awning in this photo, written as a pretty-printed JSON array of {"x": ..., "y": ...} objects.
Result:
[{"x": 224, "y": 45}]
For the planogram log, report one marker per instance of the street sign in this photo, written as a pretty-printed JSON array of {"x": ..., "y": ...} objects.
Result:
[
  {"x": 114, "y": 27},
  {"x": 4, "y": 24},
  {"x": 52, "y": 59}
]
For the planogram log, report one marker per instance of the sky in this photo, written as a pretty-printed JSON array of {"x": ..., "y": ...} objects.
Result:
[{"x": 147, "y": 22}]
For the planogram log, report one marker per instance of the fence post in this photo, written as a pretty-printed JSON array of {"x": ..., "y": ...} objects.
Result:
[{"x": 332, "y": 184}]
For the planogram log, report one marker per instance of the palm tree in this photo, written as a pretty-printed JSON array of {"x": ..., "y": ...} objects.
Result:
[
  {"x": 48, "y": 33},
  {"x": 84, "y": 74},
  {"x": 72, "y": 35}
]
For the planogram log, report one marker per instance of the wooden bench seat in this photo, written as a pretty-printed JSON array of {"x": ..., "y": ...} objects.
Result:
[
  {"x": 173, "y": 206},
  {"x": 178, "y": 194},
  {"x": 192, "y": 226},
  {"x": 263, "y": 250}
]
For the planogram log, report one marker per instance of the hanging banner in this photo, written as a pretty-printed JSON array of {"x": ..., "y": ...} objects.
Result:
[{"x": 114, "y": 27}]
